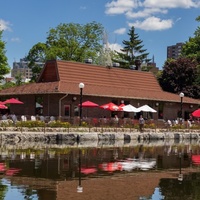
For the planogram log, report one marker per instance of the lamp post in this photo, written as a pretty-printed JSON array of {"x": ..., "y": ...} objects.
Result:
[
  {"x": 181, "y": 96},
  {"x": 81, "y": 86}
]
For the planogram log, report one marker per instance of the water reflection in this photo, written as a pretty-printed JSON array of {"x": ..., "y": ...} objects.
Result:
[
  {"x": 79, "y": 188},
  {"x": 143, "y": 171},
  {"x": 180, "y": 176}
]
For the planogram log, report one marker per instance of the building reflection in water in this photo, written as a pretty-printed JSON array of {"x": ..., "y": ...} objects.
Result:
[
  {"x": 79, "y": 188},
  {"x": 180, "y": 176},
  {"x": 57, "y": 168}
]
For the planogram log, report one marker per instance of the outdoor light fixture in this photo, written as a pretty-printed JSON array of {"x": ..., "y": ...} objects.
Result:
[
  {"x": 122, "y": 101},
  {"x": 181, "y": 96},
  {"x": 157, "y": 104},
  {"x": 81, "y": 86},
  {"x": 74, "y": 99},
  {"x": 79, "y": 188}
]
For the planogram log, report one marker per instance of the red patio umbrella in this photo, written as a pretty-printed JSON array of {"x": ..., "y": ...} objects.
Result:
[
  {"x": 90, "y": 170},
  {"x": 196, "y": 159},
  {"x": 12, "y": 101},
  {"x": 121, "y": 106},
  {"x": 89, "y": 104},
  {"x": 3, "y": 106},
  {"x": 196, "y": 113},
  {"x": 111, "y": 106}
]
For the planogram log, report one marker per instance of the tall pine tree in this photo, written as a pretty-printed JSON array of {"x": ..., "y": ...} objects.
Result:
[{"x": 133, "y": 52}]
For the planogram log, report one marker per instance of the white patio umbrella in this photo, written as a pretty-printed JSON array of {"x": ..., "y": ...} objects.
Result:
[
  {"x": 146, "y": 108},
  {"x": 129, "y": 108}
]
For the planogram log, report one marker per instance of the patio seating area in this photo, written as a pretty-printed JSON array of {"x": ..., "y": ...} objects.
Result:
[{"x": 97, "y": 122}]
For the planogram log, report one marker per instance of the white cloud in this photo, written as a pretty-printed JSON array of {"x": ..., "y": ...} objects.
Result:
[
  {"x": 120, "y": 31},
  {"x": 145, "y": 13},
  {"x": 178, "y": 19},
  {"x": 171, "y": 3},
  {"x": 15, "y": 39},
  {"x": 151, "y": 10},
  {"x": 152, "y": 24},
  {"x": 127, "y": 6},
  {"x": 4, "y": 25},
  {"x": 115, "y": 46},
  {"x": 83, "y": 7},
  {"x": 120, "y": 6}
]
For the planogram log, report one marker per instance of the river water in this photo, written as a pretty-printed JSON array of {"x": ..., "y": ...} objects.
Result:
[{"x": 143, "y": 171}]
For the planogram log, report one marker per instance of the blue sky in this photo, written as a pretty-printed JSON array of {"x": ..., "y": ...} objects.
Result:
[{"x": 159, "y": 23}]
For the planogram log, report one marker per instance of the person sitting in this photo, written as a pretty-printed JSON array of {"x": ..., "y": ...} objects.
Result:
[
  {"x": 5, "y": 116},
  {"x": 14, "y": 118},
  {"x": 169, "y": 123},
  {"x": 52, "y": 118},
  {"x": 42, "y": 118}
]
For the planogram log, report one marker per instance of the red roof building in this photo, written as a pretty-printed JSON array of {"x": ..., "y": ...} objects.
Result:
[{"x": 57, "y": 89}]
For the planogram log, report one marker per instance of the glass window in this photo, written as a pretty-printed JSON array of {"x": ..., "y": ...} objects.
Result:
[{"x": 67, "y": 110}]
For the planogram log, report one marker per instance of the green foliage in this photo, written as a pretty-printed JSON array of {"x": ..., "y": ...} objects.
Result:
[
  {"x": 191, "y": 49},
  {"x": 7, "y": 85},
  {"x": 178, "y": 126},
  {"x": 71, "y": 41},
  {"x": 58, "y": 123},
  {"x": 84, "y": 124},
  {"x": 18, "y": 78},
  {"x": 4, "y": 69},
  {"x": 132, "y": 51},
  {"x": 30, "y": 124},
  {"x": 180, "y": 76}
]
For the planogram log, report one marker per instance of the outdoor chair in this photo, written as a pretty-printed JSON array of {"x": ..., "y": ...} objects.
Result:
[
  {"x": 33, "y": 118},
  {"x": 42, "y": 118},
  {"x": 23, "y": 118}
]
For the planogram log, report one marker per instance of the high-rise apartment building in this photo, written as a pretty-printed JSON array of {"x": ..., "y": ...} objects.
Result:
[
  {"x": 22, "y": 68},
  {"x": 174, "y": 51}
]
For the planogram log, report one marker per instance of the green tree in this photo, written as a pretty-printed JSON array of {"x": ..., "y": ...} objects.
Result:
[
  {"x": 18, "y": 78},
  {"x": 133, "y": 52},
  {"x": 7, "y": 85},
  {"x": 180, "y": 76},
  {"x": 192, "y": 47},
  {"x": 71, "y": 41},
  {"x": 4, "y": 69}
]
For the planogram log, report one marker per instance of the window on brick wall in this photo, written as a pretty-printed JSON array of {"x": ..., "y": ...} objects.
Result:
[{"x": 67, "y": 110}]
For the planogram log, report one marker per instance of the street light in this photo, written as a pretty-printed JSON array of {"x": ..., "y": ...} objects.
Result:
[
  {"x": 181, "y": 96},
  {"x": 81, "y": 86}
]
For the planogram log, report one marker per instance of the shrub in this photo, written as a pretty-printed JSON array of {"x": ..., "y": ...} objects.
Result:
[
  {"x": 84, "y": 124},
  {"x": 58, "y": 123},
  {"x": 30, "y": 124}
]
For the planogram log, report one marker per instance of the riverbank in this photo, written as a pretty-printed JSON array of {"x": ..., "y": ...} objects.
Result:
[{"x": 95, "y": 135}]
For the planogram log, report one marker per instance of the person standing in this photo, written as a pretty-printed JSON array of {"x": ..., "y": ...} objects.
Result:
[
  {"x": 141, "y": 123},
  {"x": 116, "y": 120}
]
